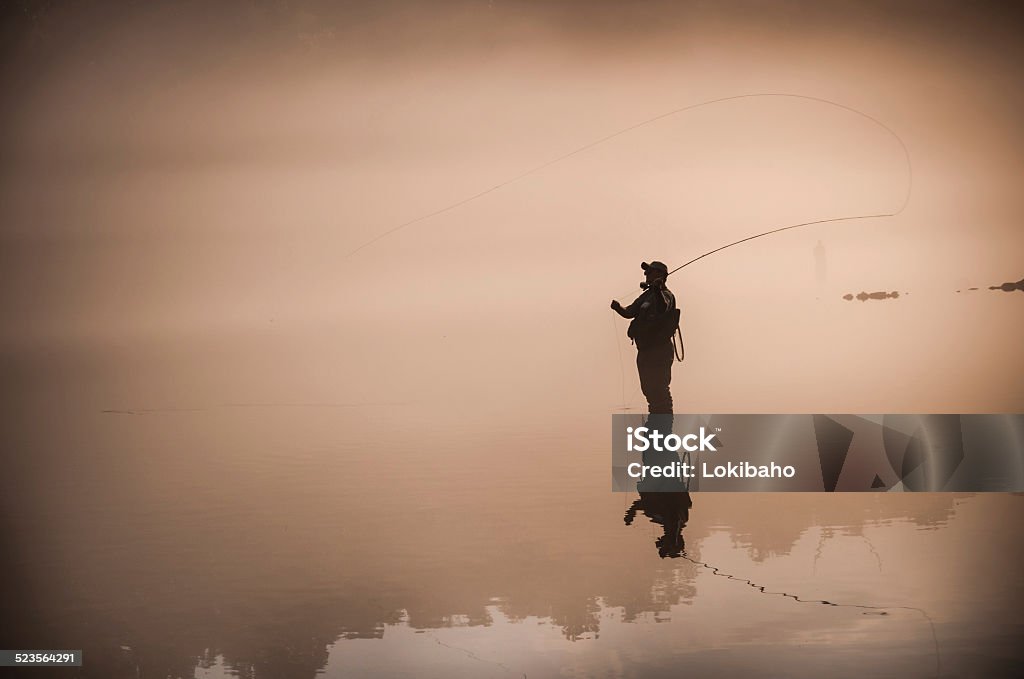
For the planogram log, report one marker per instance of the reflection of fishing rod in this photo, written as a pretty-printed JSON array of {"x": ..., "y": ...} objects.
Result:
[{"x": 649, "y": 121}]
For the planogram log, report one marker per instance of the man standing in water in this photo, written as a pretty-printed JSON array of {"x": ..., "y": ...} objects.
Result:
[{"x": 655, "y": 318}]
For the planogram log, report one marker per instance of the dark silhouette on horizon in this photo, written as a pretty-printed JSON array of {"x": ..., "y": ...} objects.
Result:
[
  {"x": 1009, "y": 286},
  {"x": 865, "y": 296}
]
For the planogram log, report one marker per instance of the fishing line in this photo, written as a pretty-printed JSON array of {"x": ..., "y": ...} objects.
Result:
[
  {"x": 876, "y": 121},
  {"x": 644, "y": 123},
  {"x": 663, "y": 116},
  {"x": 622, "y": 373},
  {"x": 763, "y": 589},
  {"x": 906, "y": 200}
]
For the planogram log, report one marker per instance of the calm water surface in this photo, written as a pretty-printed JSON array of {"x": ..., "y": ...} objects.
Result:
[
  {"x": 233, "y": 446},
  {"x": 296, "y": 540}
]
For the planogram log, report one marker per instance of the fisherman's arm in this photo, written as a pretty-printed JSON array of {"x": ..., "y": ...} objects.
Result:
[{"x": 627, "y": 311}]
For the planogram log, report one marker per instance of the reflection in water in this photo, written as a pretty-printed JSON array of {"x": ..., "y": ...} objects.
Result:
[
  {"x": 289, "y": 556},
  {"x": 669, "y": 510},
  {"x": 868, "y": 608},
  {"x": 665, "y": 501}
]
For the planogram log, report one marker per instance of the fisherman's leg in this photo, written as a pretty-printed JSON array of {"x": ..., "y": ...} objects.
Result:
[
  {"x": 648, "y": 376},
  {"x": 659, "y": 398},
  {"x": 651, "y": 368}
]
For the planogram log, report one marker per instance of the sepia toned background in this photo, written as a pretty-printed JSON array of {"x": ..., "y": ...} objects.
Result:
[{"x": 225, "y": 391}]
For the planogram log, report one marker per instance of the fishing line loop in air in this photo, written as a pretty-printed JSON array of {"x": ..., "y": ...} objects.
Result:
[{"x": 649, "y": 121}]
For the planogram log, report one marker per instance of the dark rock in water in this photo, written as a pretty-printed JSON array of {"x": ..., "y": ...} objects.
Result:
[
  {"x": 865, "y": 296},
  {"x": 1009, "y": 287}
]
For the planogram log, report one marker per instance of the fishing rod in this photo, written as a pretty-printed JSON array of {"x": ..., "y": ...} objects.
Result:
[
  {"x": 876, "y": 121},
  {"x": 780, "y": 229},
  {"x": 650, "y": 121},
  {"x": 821, "y": 100},
  {"x": 903, "y": 205}
]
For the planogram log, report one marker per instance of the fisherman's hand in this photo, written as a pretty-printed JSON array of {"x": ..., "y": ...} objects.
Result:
[{"x": 616, "y": 306}]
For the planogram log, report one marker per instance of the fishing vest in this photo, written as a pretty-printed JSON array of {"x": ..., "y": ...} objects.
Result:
[{"x": 656, "y": 324}]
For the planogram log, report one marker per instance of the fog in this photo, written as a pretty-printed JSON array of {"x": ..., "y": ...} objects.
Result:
[{"x": 183, "y": 189}]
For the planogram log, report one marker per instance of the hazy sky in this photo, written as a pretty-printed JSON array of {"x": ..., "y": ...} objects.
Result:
[{"x": 181, "y": 187}]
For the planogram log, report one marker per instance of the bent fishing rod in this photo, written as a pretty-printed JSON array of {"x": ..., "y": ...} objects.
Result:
[{"x": 876, "y": 121}]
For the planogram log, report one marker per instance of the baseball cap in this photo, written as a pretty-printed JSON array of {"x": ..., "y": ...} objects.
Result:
[{"x": 655, "y": 265}]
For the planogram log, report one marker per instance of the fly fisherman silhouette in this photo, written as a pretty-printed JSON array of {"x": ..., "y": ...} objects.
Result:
[{"x": 655, "y": 320}]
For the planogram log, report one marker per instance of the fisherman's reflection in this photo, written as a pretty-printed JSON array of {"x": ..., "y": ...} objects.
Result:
[{"x": 665, "y": 501}]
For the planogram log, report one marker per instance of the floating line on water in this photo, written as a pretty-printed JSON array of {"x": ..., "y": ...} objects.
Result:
[{"x": 763, "y": 589}]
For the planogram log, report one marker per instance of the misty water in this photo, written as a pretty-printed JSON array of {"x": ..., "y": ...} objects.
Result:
[
  {"x": 334, "y": 539},
  {"x": 231, "y": 448}
]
